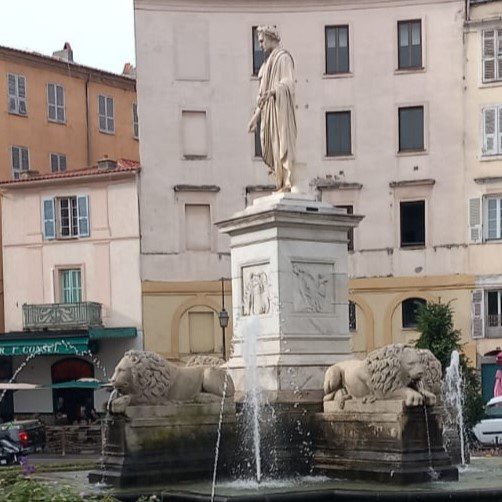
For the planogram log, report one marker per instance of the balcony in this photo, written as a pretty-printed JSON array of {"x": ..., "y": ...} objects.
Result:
[
  {"x": 493, "y": 326},
  {"x": 53, "y": 316}
]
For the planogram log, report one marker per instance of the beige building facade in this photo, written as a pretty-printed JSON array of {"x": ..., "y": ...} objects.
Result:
[
  {"x": 380, "y": 112},
  {"x": 483, "y": 179},
  {"x": 72, "y": 282}
]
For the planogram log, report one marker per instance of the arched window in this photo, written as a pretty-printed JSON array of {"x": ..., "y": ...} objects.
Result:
[{"x": 409, "y": 309}]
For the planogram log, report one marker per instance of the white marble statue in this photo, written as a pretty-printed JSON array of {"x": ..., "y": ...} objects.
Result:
[
  {"x": 275, "y": 108},
  {"x": 146, "y": 378},
  {"x": 393, "y": 372}
]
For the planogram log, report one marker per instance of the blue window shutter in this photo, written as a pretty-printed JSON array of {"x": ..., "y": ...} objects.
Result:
[
  {"x": 49, "y": 225},
  {"x": 83, "y": 215}
]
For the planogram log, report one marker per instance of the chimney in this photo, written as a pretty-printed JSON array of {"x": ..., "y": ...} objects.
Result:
[
  {"x": 106, "y": 163},
  {"x": 66, "y": 54},
  {"x": 129, "y": 71}
]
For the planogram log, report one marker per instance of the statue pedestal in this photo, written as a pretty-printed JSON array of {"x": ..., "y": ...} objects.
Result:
[
  {"x": 155, "y": 444},
  {"x": 382, "y": 441},
  {"x": 289, "y": 290}
]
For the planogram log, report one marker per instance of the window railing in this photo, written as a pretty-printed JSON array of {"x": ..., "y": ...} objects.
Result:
[
  {"x": 61, "y": 315},
  {"x": 493, "y": 326}
]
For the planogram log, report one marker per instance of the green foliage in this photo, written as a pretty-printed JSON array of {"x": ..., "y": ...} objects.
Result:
[
  {"x": 14, "y": 487},
  {"x": 435, "y": 324}
]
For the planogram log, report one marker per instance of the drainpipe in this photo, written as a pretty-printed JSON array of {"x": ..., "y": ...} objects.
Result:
[{"x": 88, "y": 130}]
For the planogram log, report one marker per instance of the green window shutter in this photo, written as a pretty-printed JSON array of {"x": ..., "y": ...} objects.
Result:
[
  {"x": 83, "y": 215},
  {"x": 49, "y": 220}
]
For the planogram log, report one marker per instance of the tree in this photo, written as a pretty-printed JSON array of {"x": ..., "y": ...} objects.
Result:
[{"x": 435, "y": 324}]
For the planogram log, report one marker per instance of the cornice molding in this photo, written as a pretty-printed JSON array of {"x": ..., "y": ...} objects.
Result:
[
  {"x": 264, "y": 6},
  {"x": 412, "y": 183}
]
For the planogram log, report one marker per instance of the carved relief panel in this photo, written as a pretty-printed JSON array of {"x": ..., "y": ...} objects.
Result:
[
  {"x": 314, "y": 288},
  {"x": 255, "y": 290}
]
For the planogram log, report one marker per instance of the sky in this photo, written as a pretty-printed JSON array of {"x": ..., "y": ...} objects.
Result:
[{"x": 100, "y": 32}]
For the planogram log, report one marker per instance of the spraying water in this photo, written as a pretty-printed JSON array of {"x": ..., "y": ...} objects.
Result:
[
  {"x": 453, "y": 400},
  {"x": 250, "y": 328}
]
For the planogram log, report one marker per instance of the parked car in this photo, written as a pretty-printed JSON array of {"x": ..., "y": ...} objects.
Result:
[
  {"x": 27, "y": 435},
  {"x": 489, "y": 430}
]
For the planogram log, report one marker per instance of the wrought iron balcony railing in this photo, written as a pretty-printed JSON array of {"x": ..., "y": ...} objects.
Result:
[
  {"x": 493, "y": 326},
  {"x": 61, "y": 315}
]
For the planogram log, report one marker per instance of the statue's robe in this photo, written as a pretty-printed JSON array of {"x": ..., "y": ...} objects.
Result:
[{"x": 278, "y": 122}]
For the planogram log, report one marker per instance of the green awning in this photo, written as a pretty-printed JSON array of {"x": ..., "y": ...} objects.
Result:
[
  {"x": 104, "y": 333},
  {"x": 77, "y": 384},
  {"x": 43, "y": 346}
]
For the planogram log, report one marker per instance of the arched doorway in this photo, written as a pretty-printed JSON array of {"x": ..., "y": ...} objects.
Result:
[{"x": 72, "y": 401}]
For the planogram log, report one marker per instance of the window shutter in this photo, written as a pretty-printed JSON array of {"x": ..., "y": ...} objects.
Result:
[
  {"x": 478, "y": 315},
  {"x": 21, "y": 89},
  {"x": 49, "y": 224},
  {"x": 499, "y": 129},
  {"x": 83, "y": 215},
  {"x": 54, "y": 163},
  {"x": 62, "y": 162},
  {"x": 488, "y": 55},
  {"x": 489, "y": 126},
  {"x": 110, "y": 125},
  {"x": 475, "y": 228},
  {"x": 499, "y": 55},
  {"x": 25, "y": 161},
  {"x": 51, "y": 101},
  {"x": 12, "y": 93}
]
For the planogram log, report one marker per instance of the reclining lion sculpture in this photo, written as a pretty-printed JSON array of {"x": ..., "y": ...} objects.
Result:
[
  {"x": 146, "y": 378},
  {"x": 393, "y": 372}
]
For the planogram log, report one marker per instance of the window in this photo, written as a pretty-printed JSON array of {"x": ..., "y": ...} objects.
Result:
[
  {"x": 106, "y": 117},
  {"x": 492, "y": 130},
  {"x": 411, "y": 128},
  {"x": 258, "y": 54},
  {"x": 409, "y": 44},
  {"x": 66, "y": 217},
  {"x": 492, "y": 55},
  {"x": 135, "y": 123},
  {"x": 352, "y": 316},
  {"x": 494, "y": 308},
  {"x": 494, "y": 218},
  {"x": 20, "y": 161},
  {"x": 350, "y": 232},
  {"x": 58, "y": 162},
  {"x": 55, "y": 103},
  {"x": 194, "y": 134},
  {"x": 198, "y": 227},
  {"x": 338, "y": 134},
  {"x": 17, "y": 94},
  {"x": 412, "y": 223},
  {"x": 70, "y": 285},
  {"x": 336, "y": 49},
  {"x": 257, "y": 140},
  {"x": 410, "y": 311}
]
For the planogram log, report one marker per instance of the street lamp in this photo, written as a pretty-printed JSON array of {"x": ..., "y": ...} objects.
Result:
[{"x": 223, "y": 317}]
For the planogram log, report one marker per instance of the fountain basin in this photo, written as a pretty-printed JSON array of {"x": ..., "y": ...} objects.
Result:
[
  {"x": 384, "y": 441},
  {"x": 152, "y": 444}
]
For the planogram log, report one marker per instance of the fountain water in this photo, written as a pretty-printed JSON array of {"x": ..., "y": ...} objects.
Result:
[
  {"x": 453, "y": 404},
  {"x": 250, "y": 329}
]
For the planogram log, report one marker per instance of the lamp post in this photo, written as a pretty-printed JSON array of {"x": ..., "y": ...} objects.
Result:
[{"x": 223, "y": 317}]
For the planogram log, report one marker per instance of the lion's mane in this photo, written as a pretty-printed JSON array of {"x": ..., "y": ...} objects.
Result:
[
  {"x": 152, "y": 376},
  {"x": 384, "y": 369},
  {"x": 433, "y": 373}
]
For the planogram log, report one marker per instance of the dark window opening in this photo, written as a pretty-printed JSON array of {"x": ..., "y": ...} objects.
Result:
[
  {"x": 410, "y": 311},
  {"x": 352, "y": 316},
  {"x": 413, "y": 223},
  {"x": 257, "y": 140},
  {"x": 411, "y": 128},
  {"x": 409, "y": 44},
  {"x": 338, "y": 134},
  {"x": 258, "y": 54},
  {"x": 337, "y": 49},
  {"x": 494, "y": 308},
  {"x": 350, "y": 232}
]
